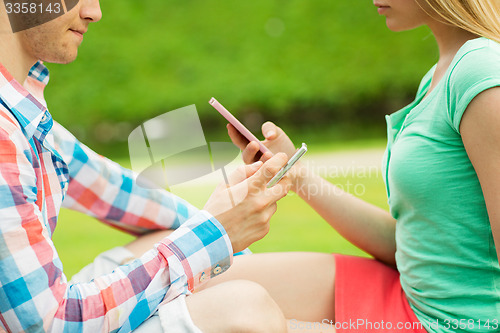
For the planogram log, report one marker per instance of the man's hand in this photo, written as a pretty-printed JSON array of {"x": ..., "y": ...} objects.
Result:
[
  {"x": 277, "y": 141},
  {"x": 245, "y": 207}
]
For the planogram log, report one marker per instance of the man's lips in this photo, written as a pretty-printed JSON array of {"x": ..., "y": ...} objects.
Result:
[{"x": 78, "y": 32}]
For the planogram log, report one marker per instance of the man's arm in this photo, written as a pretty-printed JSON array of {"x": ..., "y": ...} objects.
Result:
[
  {"x": 480, "y": 129},
  {"x": 103, "y": 189},
  {"x": 34, "y": 293}
]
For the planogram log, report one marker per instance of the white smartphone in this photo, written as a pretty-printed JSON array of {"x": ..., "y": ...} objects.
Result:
[
  {"x": 237, "y": 124},
  {"x": 298, "y": 154}
]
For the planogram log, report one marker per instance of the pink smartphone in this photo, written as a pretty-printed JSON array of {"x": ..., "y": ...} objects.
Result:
[{"x": 237, "y": 124}]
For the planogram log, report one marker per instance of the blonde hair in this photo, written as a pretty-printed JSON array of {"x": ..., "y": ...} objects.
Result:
[{"x": 481, "y": 17}]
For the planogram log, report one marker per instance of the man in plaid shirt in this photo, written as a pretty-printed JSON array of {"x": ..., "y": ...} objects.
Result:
[{"x": 43, "y": 166}]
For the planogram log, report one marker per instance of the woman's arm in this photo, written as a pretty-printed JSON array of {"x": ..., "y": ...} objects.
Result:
[
  {"x": 480, "y": 129},
  {"x": 368, "y": 227}
]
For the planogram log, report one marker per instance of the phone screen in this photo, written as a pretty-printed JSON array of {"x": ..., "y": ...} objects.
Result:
[{"x": 291, "y": 162}]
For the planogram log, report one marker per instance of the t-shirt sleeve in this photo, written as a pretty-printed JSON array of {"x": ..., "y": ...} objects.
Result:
[{"x": 475, "y": 72}]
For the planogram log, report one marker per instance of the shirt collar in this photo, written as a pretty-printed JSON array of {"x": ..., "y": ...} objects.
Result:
[{"x": 26, "y": 102}]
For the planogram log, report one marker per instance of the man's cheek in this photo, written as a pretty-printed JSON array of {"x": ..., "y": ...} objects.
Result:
[{"x": 26, "y": 14}]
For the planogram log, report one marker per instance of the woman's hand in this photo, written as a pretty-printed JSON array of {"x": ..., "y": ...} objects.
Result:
[
  {"x": 245, "y": 206},
  {"x": 277, "y": 141}
]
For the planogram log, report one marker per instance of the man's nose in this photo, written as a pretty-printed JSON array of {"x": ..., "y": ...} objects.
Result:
[{"x": 90, "y": 10}]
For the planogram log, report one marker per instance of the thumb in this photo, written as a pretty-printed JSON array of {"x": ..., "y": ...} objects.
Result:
[{"x": 270, "y": 130}]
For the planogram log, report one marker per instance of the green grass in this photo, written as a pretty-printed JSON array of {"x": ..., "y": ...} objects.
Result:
[
  {"x": 295, "y": 227},
  {"x": 345, "y": 145}
]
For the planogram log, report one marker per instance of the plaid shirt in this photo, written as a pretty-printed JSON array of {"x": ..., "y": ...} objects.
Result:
[{"x": 42, "y": 166}]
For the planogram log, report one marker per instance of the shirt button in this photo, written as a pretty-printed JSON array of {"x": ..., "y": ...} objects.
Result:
[
  {"x": 65, "y": 186},
  {"x": 203, "y": 277},
  {"x": 217, "y": 270},
  {"x": 44, "y": 118}
]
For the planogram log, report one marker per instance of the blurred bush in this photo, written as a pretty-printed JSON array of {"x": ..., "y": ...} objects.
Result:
[{"x": 307, "y": 64}]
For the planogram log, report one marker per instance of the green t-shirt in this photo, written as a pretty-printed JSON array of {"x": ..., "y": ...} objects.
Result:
[{"x": 445, "y": 250}]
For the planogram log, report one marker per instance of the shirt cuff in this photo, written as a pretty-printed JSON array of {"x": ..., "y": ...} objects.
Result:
[{"x": 197, "y": 251}]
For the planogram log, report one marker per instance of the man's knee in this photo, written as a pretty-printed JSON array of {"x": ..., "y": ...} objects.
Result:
[
  {"x": 236, "y": 306},
  {"x": 255, "y": 310}
]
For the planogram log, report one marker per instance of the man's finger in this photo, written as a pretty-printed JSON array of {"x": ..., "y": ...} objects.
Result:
[
  {"x": 268, "y": 170},
  {"x": 279, "y": 190},
  {"x": 243, "y": 172}
]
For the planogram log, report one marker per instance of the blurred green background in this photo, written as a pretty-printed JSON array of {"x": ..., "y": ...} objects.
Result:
[
  {"x": 326, "y": 71},
  {"x": 329, "y": 66}
]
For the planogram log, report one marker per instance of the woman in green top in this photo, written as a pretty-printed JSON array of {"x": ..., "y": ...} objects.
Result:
[{"x": 437, "y": 264}]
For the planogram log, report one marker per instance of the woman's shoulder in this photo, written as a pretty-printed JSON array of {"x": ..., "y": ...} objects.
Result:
[
  {"x": 478, "y": 48},
  {"x": 476, "y": 68},
  {"x": 477, "y": 59}
]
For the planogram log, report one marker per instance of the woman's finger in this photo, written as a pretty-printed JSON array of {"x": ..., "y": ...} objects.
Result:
[
  {"x": 238, "y": 139},
  {"x": 251, "y": 153}
]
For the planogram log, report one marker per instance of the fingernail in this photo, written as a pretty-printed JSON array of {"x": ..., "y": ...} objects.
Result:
[
  {"x": 269, "y": 134},
  {"x": 258, "y": 163}
]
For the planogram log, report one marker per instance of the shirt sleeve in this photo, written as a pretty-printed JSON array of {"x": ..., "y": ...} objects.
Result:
[
  {"x": 101, "y": 188},
  {"x": 476, "y": 71},
  {"x": 34, "y": 293}
]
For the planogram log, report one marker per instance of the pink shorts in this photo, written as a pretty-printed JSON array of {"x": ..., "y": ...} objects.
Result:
[{"x": 369, "y": 298}]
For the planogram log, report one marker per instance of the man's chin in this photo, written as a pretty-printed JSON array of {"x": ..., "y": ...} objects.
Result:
[{"x": 61, "y": 59}]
